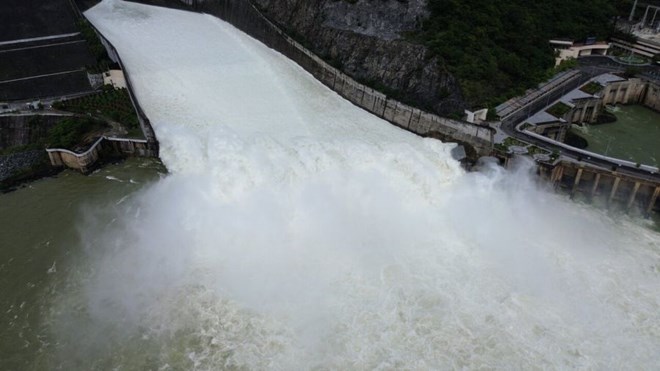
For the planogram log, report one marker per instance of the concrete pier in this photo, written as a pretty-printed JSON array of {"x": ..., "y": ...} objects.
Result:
[
  {"x": 103, "y": 147},
  {"x": 615, "y": 189},
  {"x": 594, "y": 187},
  {"x": 631, "y": 198},
  {"x": 576, "y": 183},
  {"x": 653, "y": 201}
]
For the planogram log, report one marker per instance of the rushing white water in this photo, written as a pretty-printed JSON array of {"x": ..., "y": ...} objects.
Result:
[{"x": 296, "y": 231}]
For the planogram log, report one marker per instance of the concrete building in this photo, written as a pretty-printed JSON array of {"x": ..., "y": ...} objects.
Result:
[
  {"x": 586, "y": 103},
  {"x": 568, "y": 49},
  {"x": 476, "y": 117},
  {"x": 548, "y": 125},
  {"x": 115, "y": 78}
]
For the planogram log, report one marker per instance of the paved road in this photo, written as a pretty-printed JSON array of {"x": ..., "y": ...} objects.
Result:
[
  {"x": 589, "y": 67},
  {"x": 23, "y": 106}
]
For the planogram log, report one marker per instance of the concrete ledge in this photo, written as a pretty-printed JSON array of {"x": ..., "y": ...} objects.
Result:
[{"x": 84, "y": 162}]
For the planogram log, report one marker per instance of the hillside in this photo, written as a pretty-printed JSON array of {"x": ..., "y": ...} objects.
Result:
[
  {"x": 439, "y": 55},
  {"x": 497, "y": 49}
]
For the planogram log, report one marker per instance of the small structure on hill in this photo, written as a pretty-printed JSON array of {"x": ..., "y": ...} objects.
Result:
[
  {"x": 477, "y": 116},
  {"x": 568, "y": 49},
  {"x": 114, "y": 78}
]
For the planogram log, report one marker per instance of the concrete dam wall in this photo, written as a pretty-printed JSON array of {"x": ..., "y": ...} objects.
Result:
[{"x": 246, "y": 17}]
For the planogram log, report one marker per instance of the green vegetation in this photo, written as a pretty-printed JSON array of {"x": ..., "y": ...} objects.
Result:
[
  {"x": 554, "y": 155},
  {"x": 103, "y": 62},
  {"x": 558, "y": 110},
  {"x": 533, "y": 150},
  {"x": 632, "y": 59},
  {"x": 497, "y": 49},
  {"x": 112, "y": 104},
  {"x": 510, "y": 141},
  {"x": 501, "y": 147},
  {"x": 592, "y": 88},
  {"x": 71, "y": 132},
  {"x": 67, "y": 133},
  {"x": 565, "y": 65}
]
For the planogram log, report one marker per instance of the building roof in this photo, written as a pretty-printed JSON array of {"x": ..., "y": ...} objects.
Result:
[
  {"x": 542, "y": 117},
  {"x": 606, "y": 78},
  {"x": 574, "y": 95}
]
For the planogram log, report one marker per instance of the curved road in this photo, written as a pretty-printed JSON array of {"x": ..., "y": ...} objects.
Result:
[{"x": 590, "y": 67}]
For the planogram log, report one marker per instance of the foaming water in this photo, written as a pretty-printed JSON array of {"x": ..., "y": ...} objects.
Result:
[{"x": 296, "y": 231}]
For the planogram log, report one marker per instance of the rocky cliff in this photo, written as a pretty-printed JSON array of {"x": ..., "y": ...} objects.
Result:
[{"x": 365, "y": 38}]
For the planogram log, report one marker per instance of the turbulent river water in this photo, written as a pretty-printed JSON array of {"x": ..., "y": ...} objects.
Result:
[{"x": 296, "y": 231}]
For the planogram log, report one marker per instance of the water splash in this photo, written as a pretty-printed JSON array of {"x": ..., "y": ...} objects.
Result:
[{"x": 297, "y": 232}]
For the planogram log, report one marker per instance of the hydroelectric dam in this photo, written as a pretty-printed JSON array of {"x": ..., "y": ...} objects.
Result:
[{"x": 296, "y": 230}]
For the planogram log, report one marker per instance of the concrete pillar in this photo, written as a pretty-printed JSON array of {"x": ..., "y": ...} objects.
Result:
[
  {"x": 542, "y": 172},
  {"x": 583, "y": 113},
  {"x": 557, "y": 174},
  {"x": 507, "y": 159},
  {"x": 615, "y": 186},
  {"x": 631, "y": 199},
  {"x": 55, "y": 158},
  {"x": 645, "y": 14},
  {"x": 576, "y": 183},
  {"x": 594, "y": 187},
  {"x": 654, "y": 198}
]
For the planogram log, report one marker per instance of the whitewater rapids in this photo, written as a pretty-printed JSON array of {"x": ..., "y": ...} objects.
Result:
[{"x": 296, "y": 231}]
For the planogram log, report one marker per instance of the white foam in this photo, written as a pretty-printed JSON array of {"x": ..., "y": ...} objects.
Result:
[{"x": 297, "y": 231}]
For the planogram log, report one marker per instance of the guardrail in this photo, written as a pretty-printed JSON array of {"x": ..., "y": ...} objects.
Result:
[
  {"x": 84, "y": 162},
  {"x": 652, "y": 170},
  {"x": 545, "y": 99}
]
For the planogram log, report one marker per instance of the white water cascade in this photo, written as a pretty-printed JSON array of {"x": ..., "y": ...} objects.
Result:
[{"x": 296, "y": 231}]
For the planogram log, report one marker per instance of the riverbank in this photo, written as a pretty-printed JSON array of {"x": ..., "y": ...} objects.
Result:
[
  {"x": 19, "y": 169},
  {"x": 25, "y": 137}
]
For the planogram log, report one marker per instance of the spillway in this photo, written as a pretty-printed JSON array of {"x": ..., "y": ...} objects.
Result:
[{"x": 296, "y": 231}]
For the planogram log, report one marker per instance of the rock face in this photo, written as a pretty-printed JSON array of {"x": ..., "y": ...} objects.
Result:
[
  {"x": 365, "y": 39},
  {"x": 20, "y": 130},
  {"x": 16, "y": 162}
]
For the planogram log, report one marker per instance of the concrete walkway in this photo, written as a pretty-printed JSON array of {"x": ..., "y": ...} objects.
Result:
[{"x": 53, "y": 37}]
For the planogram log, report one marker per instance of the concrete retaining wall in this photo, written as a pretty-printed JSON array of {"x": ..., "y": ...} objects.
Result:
[
  {"x": 246, "y": 17},
  {"x": 84, "y": 162},
  {"x": 625, "y": 92},
  {"x": 611, "y": 187},
  {"x": 652, "y": 98},
  {"x": 633, "y": 91}
]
